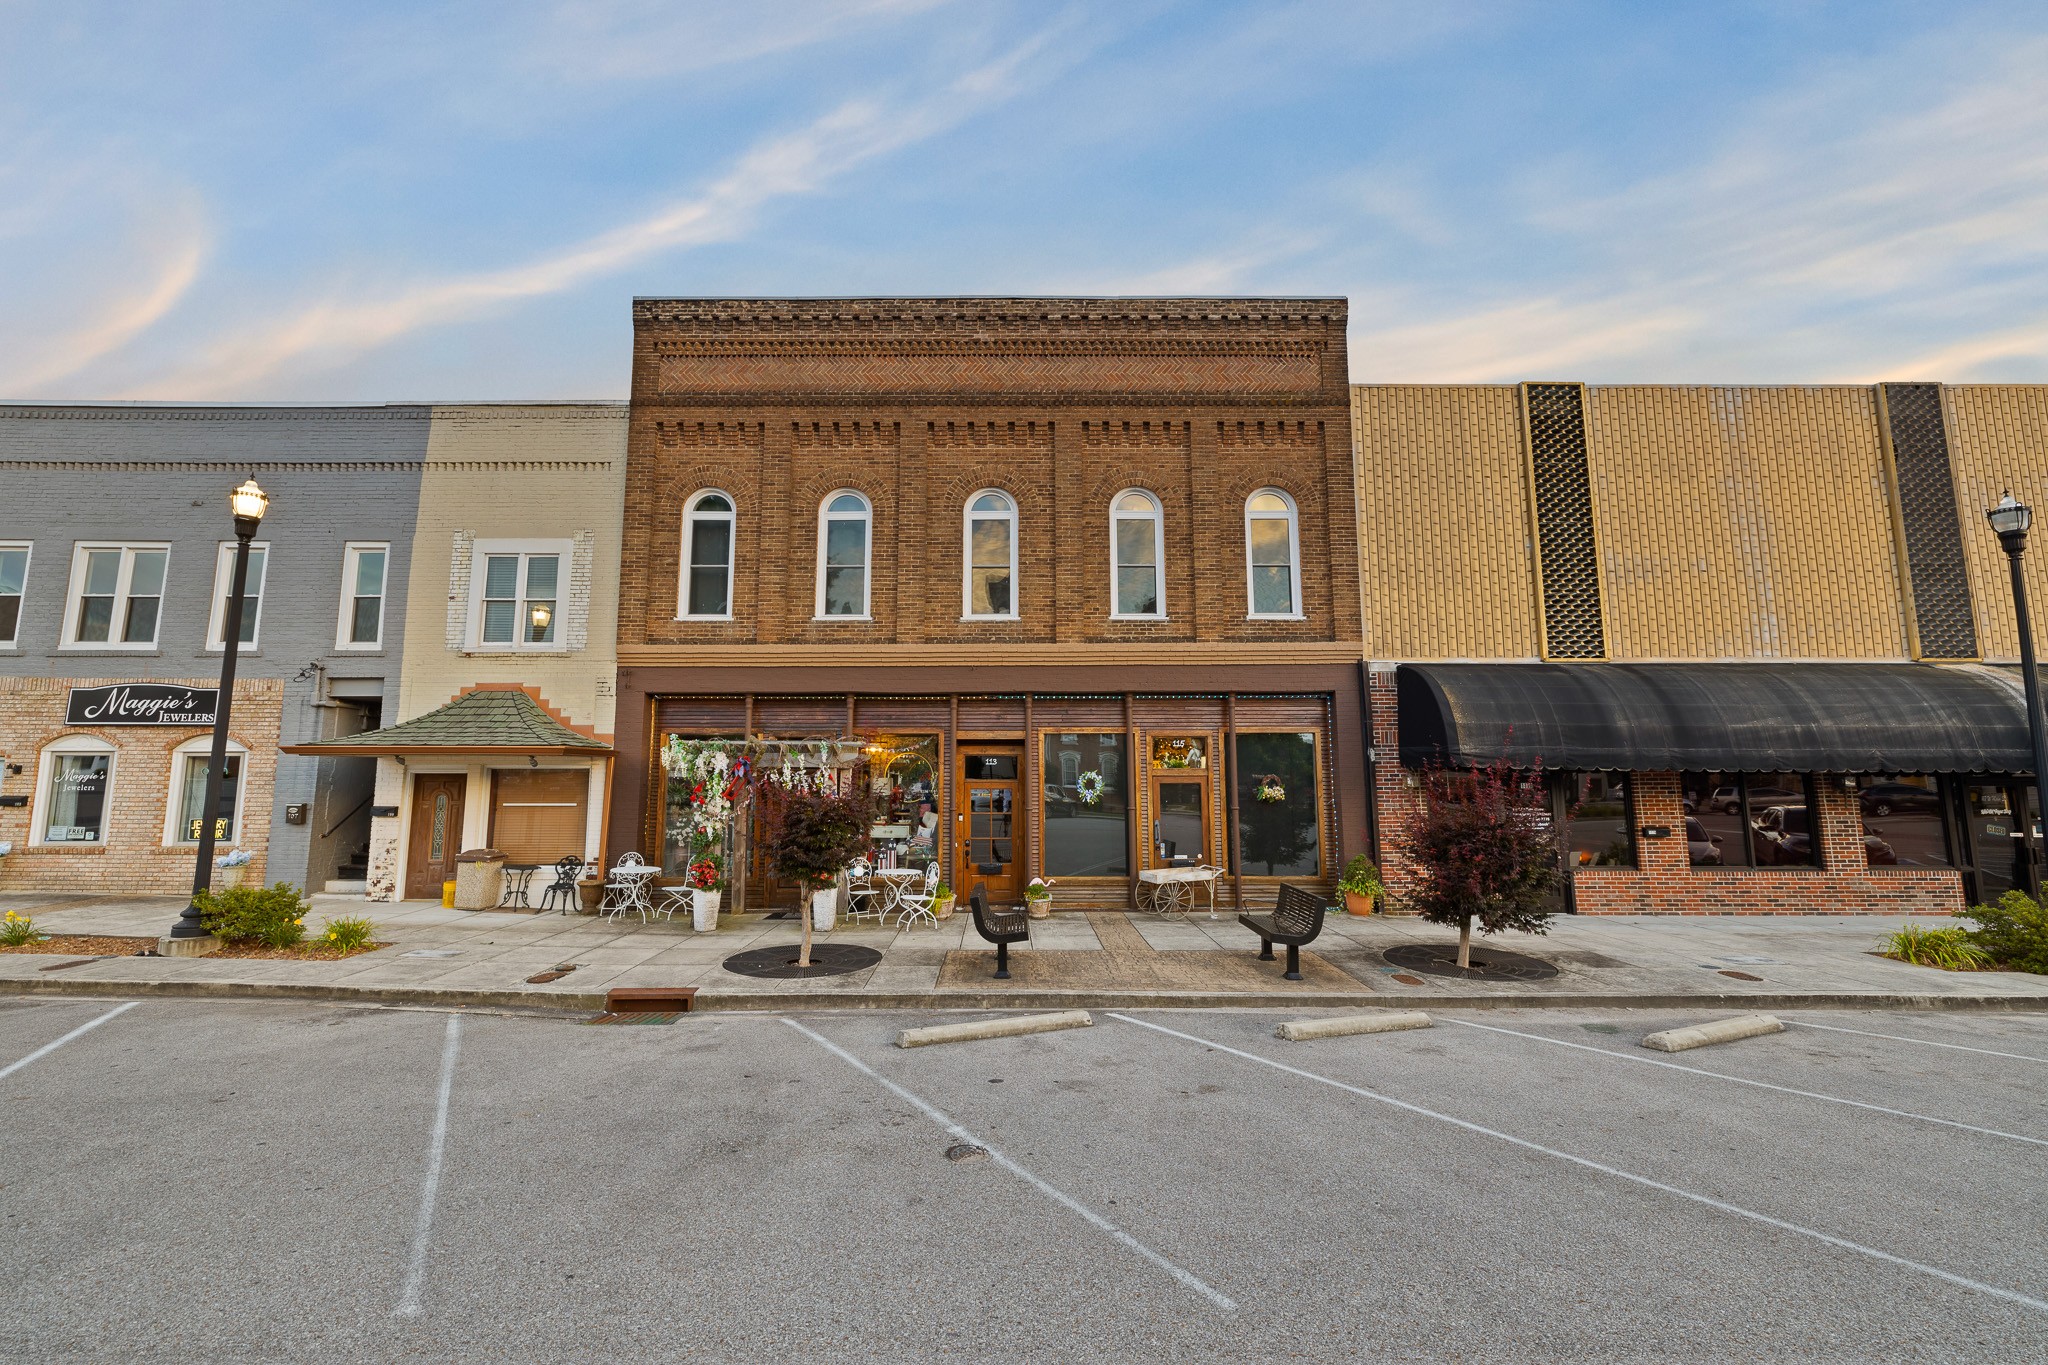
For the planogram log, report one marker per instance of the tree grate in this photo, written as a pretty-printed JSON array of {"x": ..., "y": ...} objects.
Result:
[
  {"x": 1943, "y": 616},
  {"x": 1568, "y": 557}
]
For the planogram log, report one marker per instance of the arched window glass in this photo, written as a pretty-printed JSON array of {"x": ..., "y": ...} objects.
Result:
[
  {"x": 707, "y": 556},
  {"x": 1136, "y": 546},
  {"x": 990, "y": 556},
  {"x": 1272, "y": 554},
  {"x": 74, "y": 792},
  {"x": 843, "y": 555}
]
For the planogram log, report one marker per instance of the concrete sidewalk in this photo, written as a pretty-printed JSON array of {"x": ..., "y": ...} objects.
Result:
[{"x": 1110, "y": 960}]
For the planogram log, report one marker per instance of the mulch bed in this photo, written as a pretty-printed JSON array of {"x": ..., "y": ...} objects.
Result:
[
  {"x": 91, "y": 945},
  {"x": 305, "y": 953}
]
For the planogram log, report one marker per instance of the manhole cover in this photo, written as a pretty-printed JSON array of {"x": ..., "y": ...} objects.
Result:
[
  {"x": 1488, "y": 964},
  {"x": 966, "y": 1151},
  {"x": 1407, "y": 979},
  {"x": 779, "y": 962}
]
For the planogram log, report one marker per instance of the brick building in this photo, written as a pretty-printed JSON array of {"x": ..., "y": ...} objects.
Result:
[
  {"x": 1079, "y": 575},
  {"x": 1761, "y": 636},
  {"x": 115, "y": 545}
]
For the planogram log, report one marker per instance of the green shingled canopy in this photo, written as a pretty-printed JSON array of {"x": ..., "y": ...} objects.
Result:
[{"x": 487, "y": 721}]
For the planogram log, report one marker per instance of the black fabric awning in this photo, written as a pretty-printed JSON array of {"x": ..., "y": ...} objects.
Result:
[{"x": 1817, "y": 717}]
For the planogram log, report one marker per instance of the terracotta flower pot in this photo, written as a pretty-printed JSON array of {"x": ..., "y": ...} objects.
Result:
[{"x": 1357, "y": 903}]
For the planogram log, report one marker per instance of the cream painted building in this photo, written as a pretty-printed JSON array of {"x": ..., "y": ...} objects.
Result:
[{"x": 503, "y": 733}]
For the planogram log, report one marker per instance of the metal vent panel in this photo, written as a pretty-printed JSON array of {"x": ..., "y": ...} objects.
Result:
[
  {"x": 1945, "y": 622},
  {"x": 1567, "y": 552}
]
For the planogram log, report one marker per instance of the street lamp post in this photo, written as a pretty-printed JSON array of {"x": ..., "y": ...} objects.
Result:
[
  {"x": 2011, "y": 520},
  {"x": 248, "y": 504}
]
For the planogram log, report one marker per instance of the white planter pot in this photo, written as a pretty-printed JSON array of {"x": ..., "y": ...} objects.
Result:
[
  {"x": 229, "y": 878},
  {"x": 824, "y": 909},
  {"x": 704, "y": 910}
]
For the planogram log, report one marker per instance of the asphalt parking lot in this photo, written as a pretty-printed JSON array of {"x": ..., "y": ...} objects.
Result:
[{"x": 190, "y": 1181}]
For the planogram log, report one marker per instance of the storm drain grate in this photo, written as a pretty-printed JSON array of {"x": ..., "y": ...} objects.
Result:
[{"x": 634, "y": 1017}]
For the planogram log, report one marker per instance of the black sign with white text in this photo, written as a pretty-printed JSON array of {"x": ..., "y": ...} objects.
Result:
[{"x": 143, "y": 703}]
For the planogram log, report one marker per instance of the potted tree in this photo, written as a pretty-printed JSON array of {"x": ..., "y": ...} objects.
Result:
[
  {"x": 1361, "y": 886},
  {"x": 812, "y": 836},
  {"x": 1483, "y": 849}
]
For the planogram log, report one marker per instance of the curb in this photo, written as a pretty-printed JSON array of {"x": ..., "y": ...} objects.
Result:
[{"x": 809, "y": 1001}]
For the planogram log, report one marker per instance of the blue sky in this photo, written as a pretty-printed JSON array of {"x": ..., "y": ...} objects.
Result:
[{"x": 367, "y": 202}]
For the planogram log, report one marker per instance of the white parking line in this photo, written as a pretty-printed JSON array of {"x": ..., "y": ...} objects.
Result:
[
  {"x": 1995, "y": 1291},
  {"x": 1761, "y": 1085},
  {"x": 1068, "y": 1202},
  {"x": 47, "y": 1048},
  {"x": 1953, "y": 1047},
  {"x": 430, "y": 1189}
]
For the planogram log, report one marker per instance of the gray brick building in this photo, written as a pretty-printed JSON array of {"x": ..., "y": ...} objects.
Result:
[{"x": 114, "y": 536}]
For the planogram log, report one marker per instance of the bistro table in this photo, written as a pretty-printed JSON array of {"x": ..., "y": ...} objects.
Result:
[
  {"x": 518, "y": 877},
  {"x": 891, "y": 882},
  {"x": 1165, "y": 890},
  {"x": 630, "y": 880}
]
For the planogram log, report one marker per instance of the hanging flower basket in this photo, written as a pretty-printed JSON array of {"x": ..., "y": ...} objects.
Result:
[
  {"x": 1270, "y": 790},
  {"x": 1088, "y": 786}
]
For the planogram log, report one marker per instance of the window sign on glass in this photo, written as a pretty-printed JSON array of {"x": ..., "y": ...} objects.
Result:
[
  {"x": 192, "y": 799},
  {"x": 75, "y": 805},
  {"x": 13, "y": 580},
  {"x": 709, "y": 525},
  {"x": 252, "y": 593},
  {"x": 991, "y": 555},
  {"x": 121, "y": 592},
  {"x": 1134, "y": 545},
  {"x": 843, "y": 567},
  {"x": 1269, "y": 546}
]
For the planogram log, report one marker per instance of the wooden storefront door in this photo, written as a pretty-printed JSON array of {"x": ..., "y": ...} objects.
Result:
[
  {"x": 436, "y": 833},
  {"x": 989, "y": 825}
]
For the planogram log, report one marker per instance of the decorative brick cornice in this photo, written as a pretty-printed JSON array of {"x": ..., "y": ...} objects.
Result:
[{"x": 1066, "y": 313}]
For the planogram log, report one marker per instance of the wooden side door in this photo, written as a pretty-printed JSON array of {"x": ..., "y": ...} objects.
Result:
[
  {"x": 989, "y": 825},
  {"x": 436, "y": 833}
]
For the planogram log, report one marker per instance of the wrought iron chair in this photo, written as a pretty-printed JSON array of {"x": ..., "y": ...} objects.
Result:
[
  {"x": 864, "y": 896},
  {"x": 624, "y": 893},
  {"x": 567, "y": 872},
  {"x": 915, "y": 901}
]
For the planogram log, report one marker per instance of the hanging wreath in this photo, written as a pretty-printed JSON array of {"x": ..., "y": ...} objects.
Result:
[
  {"x": 1270, "y": 790},
  {"x": 1088, "y": 786}
]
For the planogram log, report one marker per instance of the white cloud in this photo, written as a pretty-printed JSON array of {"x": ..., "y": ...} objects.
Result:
[{"x": 805, "y": 161}]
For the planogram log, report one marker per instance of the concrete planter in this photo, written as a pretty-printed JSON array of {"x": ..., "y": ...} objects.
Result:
[
  {"x": 1038, "y": 907},
  {"x": 704, "y": 910}
]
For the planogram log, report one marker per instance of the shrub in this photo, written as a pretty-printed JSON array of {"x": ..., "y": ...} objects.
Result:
[
  {"x": 18, "y": 931},
  {"x": 2013, "y": 932},
  {"x": 347, "y": 935},
  {"x": 1949, "y": 949},
  {"x": 272, "y": 916}
]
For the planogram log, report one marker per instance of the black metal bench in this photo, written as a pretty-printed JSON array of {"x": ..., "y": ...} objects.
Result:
[
  {"x": 1296, "y": 920},
  {"x": 1000, "y": 927}
]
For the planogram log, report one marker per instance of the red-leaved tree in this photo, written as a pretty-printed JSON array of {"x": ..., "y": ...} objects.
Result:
[{"x": 1483, "y": 849}]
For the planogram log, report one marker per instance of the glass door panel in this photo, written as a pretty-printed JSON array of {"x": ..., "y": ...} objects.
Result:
[{"x": 1179, "y": 831}]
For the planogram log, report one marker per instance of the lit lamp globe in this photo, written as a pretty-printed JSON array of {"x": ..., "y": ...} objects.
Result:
[
  {"x": 542, "y": 617},
  {"x": 248, "y": 503}
]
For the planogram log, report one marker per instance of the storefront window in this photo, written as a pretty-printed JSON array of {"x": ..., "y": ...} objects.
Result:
[
  {"x": 675, "y": 817},
  {"x": 1597, "y": 815},
  {"x": 75, "y": 803},
  {"x": 1749, "y": 820},
  {"x": 1087, "y": 806},
  {"x": 1902, "y": 824},
  {"x": 903, "y": 775},
  {"x": 1180, "y": 751},
  {"x": 1278, "y": 805},
  {"x": 192, "y": 799}
]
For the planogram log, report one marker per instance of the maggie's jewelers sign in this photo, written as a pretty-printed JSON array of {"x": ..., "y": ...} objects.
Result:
[{"x": 142, "y": 704}]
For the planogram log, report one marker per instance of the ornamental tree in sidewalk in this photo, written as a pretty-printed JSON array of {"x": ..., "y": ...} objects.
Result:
[
  {"x": 1483, "y": 849},
  {"x": 813, "y": 835}
]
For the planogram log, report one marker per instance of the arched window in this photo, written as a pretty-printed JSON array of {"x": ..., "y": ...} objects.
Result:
[
  {"x": 74, "y": 792},
  {"x": 707, "y": 557},
  {"x": 185, "y": 806},
  {"x": 1136, "y": 547},
  {"x": 1272, "y": 548},
  {"x": 988, "y": 586},
  {"x": 843, "y": 555}
]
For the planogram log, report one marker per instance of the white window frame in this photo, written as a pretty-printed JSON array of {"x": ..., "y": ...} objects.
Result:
[
  {"x": 866, "y": 516},
  {"x": 968, "y": 516},
  {"x": 74, "y": 600},
  {"x": 38, "y": 826},
  {"x": 28, "y": 550},
  {"x": 1293, "y": 556},
  {"x": 480, "y": 554},
  {"x": 351, "y": 554},
  {"x": 1158, "y": 518},
  {"x": 201, "y": 746},
  {"x": 692, "y": 514},
  {"x": 223, "y": 579}
]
